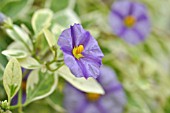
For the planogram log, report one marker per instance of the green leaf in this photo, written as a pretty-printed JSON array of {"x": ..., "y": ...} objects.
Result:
[
  {"x": 56, "y": 98},
  {"x": 57, "y": 5},
  {"x": 17, "y": 46},
  {"x": 41, "y": 19},
  {"x": 50, "y": 38},
  {"x": 66, "y": 17},
  {"x": 40, "y": 85},
  {"x": 20, "y": 35},
  {"x": 16, "y": 8},
  {"x": 57, "y": 107},
  {"x": 12, "y": 78},
  {"x": 29, "y": 63},
  {"x": 1, "y": 71},
  {"x": 57, "y": 29},
  {"x": 15, "y": 53},
  {"x": 86, "y": 85}
]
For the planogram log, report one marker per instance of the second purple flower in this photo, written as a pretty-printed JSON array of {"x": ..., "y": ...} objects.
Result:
[
  {"x": 81, "y": 52},
  {"x": 130, "y": 21}
]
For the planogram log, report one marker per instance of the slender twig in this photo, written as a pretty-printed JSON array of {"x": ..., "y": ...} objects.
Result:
[{"x": 20, "y": 101}]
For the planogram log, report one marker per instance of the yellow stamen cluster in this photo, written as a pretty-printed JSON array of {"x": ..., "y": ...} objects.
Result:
[
  {"x": 129, "y": 21},
  {"x": 77, "y": 51},
  {"x": 93, "y": 96}
]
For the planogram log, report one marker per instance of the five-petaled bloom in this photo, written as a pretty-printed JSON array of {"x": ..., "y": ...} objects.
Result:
[
  {"x": 112, "y": 101},
  {"x": 81, "y": 52},
  {"x": 130, "y": 21}
]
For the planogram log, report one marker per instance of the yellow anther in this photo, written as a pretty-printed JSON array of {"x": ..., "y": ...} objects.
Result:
[
  {"x": 129, "y": 21},
  {"x": 77, "y": 51},
  {"x": 93, "y": 96},
  {"x": 80, "y": 49}
]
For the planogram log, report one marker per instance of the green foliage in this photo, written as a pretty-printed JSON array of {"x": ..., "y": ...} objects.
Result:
[
  {"x": 1, "y": 71},
  {"x": 12, "y": 78},
  {"x": 41, "y": 19},
  {"x": 57, "y": 5},
  {"x": 66, "y": 17},
  {"x": 50, "y": 39},
  {"x": 29, "y": 63},
  {"x": 39, "y": 85},
  {"x": 19, "y": 35},
  {"x": 15, "y": 8},
  {"x": 15, "y": 53}
]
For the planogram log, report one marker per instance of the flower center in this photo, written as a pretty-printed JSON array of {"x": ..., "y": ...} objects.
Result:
[
  {"x": 77, "y": 51},
  {"x": 129, "y": 21},
  {"x": 93, "y": 97}
]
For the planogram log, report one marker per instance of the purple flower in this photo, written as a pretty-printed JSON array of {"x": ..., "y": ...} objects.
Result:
[
  {"x": 81, "y": 52},
  {"x": 112, "y": 101},
  {"x": 130, "y": 21}
]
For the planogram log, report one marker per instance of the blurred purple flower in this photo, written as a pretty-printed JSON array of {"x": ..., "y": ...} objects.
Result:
[
  {"x": 130, "y": 21},
  {"x": 81, "y": 52},
  {"x": 112, "y": 101},
  {"x": 23, "y": 86}
]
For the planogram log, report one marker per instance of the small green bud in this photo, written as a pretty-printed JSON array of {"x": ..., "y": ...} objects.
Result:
[{"x": 5, "y": 105}]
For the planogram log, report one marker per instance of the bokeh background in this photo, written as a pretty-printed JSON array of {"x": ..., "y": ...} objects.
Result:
[{"x": 143, "y": 69}]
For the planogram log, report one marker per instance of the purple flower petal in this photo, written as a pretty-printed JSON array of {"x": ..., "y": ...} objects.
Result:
[
  {"x": 117, "y": 14},
  {"x": 131, "y": 8},
  {"x": 65, "y": 39},
  {"x": 113, "y": 102},
  {"x": 85, "y": 40},
  {"x": 110, "y": 79},
  {"x": 67, "y": 50},
  {"x": 101, "y": 108},
  {"x": 76, "y": 33},
  {"x": 144, "y": 27},
  {"x": 122, "y": 7},
  {"x": 71, "y": 62},
  {"x": 142, "y": 17},
  {"x": 92, "y": 48},
  {"x": 139, "y": 9},
  {"x": 113, "y": 88},
  {"x": 73, "y": 99},
  {"x": 91, "y": 109},
  {"x": 131, "y": 37},
  {"x": 90, "y": 69},
  {"x": 115, "y": 23}
]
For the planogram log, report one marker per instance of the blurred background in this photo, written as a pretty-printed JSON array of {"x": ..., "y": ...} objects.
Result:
[{"x": 143, "y": 69}]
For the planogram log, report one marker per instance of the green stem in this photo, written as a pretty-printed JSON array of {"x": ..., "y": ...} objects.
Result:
[
  {"x": 9, "y": 100},
  {"x": 14, "y": 107},
  {"x": 20, "y": 101},
  {"x": 55, "y": 53},
  {"x": 53, "y": 70}
]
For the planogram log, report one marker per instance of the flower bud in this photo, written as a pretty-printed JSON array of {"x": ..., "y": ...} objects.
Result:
[{"x": 5, "y": 105}]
